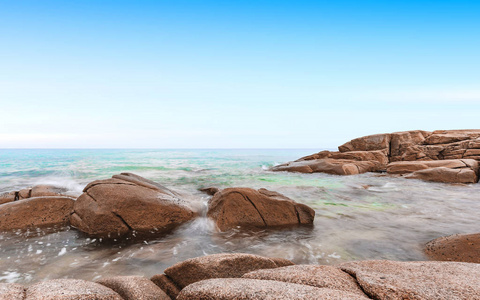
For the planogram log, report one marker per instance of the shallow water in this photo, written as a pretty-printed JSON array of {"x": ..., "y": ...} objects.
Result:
[{"x": 357, "y": 217}]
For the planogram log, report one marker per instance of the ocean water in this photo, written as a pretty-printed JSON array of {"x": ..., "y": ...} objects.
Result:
[{"x": 368, "y": 216}]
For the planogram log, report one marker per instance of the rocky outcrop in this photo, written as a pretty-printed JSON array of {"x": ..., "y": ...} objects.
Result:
[
  {"x": 316, "y": 276},
  {"x": 254, "y": 289},
  {"x": 247, "y": 207},
  {"x": 36, "y": 212},
  {"x": 459, "y": 247},
  {"x": 416, "y": 280},
  {"x": 449, "y": 171},
  {"x": 374, "y": 152},
  {"x": 59, "y": 289},
  {"x": 216, "y": 266},
  {"x": 127, "y": 203},
  {"x": 40, "y": 190},
  {"x": 134, "y": 288}
]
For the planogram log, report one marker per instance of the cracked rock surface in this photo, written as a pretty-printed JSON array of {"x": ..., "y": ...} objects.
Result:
[
  {"x": 127, "y": 203},
  {"x": 261, "y": 208}
]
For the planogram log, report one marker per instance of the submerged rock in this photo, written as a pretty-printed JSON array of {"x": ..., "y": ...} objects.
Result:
[
  {"x": 216, "y": 266},
  {"x": 127, "y": 203},
  {"x": 134, "y": 288},
  {"x": 247, "y": 207},
  {"x": 458, "y": 247},
  {"x": 254, "y": 289},
  {"x": 416, "y": 280},
  {"x": 36, "y": 212}
]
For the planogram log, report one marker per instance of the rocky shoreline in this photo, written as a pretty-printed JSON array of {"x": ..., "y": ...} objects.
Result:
[{"x": 449, "y": 156}]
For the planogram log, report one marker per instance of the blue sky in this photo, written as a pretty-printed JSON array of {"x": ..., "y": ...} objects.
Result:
[{"x": 234, "y": 74}]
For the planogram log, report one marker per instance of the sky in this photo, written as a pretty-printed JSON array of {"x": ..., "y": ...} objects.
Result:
[{"x": 234, "y": 74}]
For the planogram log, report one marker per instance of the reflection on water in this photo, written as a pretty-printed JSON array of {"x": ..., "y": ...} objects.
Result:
[{"x": 357, "y": 217}]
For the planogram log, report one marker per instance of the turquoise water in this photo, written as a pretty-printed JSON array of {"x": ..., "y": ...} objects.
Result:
[{"x": 368, "y": 216}]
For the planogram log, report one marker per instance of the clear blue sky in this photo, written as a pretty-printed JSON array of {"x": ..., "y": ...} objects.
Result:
[{"x": 234, "y": 74}]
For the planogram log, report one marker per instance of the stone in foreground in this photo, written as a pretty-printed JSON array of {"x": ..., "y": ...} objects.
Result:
[
  {"x": 36, "y": 213},
  {"x": 127, "y": 203},
  {"x": 70, "y": 289},
  {"x": 11, "y": 291},
  {"x": 216, "y": 266},
  {"x": 459, "y": 247},
  {"x": 416, "y": 280},
  {"x": 247, "y": 207},
  {"x": 313, "y": 275},
  {"x": 134, "y": 288},
  {"x": 254, "y": 289},
  {"x": 166, "y": 284}
]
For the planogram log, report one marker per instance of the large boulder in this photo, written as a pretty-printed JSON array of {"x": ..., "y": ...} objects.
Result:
[
  {"x": 134, "y": 288},
  {"x": 70, "y": 289},
  {"x": 416, "y": 280},
  {"x": 459, "y": 247},
  {"x": 216, "y": 266},
  {"x": 367, "y": 143},
  {"x": 247, "y": 207},
  {"x": 36, "y": 212},
  {"x": 127, "y": 203},
  {"x": 254, "y": 289},
  {"x": 40, "y": 190},
  {"x": 448, "y": 171},
  {"x": 11, "y": 291},
  {"x": 315, "y": 275}
]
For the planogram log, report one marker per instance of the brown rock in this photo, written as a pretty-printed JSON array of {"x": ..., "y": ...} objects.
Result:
[
  {"x": 379, "y": 156},
  {"x": 331, "y": 166},
  {"x": 166, "y": 284},
  {"x": 71, "y": 289},
  {"x": 254, "y": 289},
  {"x": 296, "y": 166},
  {"x": 134, "y": 288},
  {"x": 314, "y": 275},
  {"x": 459, "y": 247},
  {"x": 11, "y": 291},
  {"x": 36, "y": 212},
  {"x": 127, "y": 203},
  {"x": 8, "y": 197},
  {"x": 48, "y": 190},
  {"x": 404, "y": 167},
  {"x": 247, "y": 207},
  {"x": 209, "y": 190},
  {"x": 446, "y": 175},
  {"x": 367, "y": 143},
  {"x": 416, "y": 280},
  {"x": 282, "y": 262},
  {"x": 216, "y": 266},
  {"x": 450, "y": 136}
]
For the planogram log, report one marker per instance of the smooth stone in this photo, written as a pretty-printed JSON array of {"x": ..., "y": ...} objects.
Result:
[
  {"x": 70, "y": 289},
  {"x": 458, "y": 247},
  {"x": 134, "y": 288}
]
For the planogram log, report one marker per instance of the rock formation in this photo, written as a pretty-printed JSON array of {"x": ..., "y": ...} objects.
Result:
[
  {"x": 458, "y": 247},
  {"x": 127, "y": 203},
  {"x": 390, "y": 152},
  {"x": 247, "y": 207},
  {"x": 36, "y": 191}
]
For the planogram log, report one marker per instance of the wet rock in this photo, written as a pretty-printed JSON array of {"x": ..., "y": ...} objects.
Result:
[
  {"x": 314, "y": 275},
  {"x": 11, "y": 291},
  {"x": 127, "y": 203},
  {"x": 459, "y": 247},
  {"x": 209, "y": 190},
  {"x": 166, "y": 284},
  {"x": 247, "y": 207},
  {"x": 216, "y": 266},
  {"x": 416, "y": 280},
  {"x": 36, "y": 212},
  {"x": 134, "y": 288},
  {"x": 71, "y": 289},
  {"x": 254, "y": 289}
]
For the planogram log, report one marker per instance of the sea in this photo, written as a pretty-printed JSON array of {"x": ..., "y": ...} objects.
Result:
[{"x": 358, "y": 217}]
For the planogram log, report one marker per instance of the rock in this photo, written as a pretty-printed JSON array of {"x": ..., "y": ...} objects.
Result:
[
  {"x": 134, "y": 288},
  {"x": 459, "y": 247},
  {"x": 247, "y": 207},
  {"x": 445, "y": 175},
  {"x": 166, "y": 284},
  {"x": 127, "y": 203},
  {"x": 404, "y": 167},
  {"x": 11, "y": 291},
  {"x": 8, "y": 197},
  {"x": 209, "y": 190},
  {"x": 367, "y": 143},
  {"x": 281, "y": 262},
  {"x": 416, "y": 280},
  {"x": 314, "y": 275},
  {"x": 331, "y": 166},
  {"x": 48, "y": 190},
  {"x": 36, "y": 212},
  {"x": 254, "y": 289},
  {"x": 71, "y": 289},
  {"x": 216, "y": 266}
]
